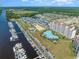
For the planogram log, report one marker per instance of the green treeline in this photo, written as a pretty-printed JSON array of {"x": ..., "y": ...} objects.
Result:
[
  {"x": 0, "y": 11},
  {"x": 11, "y": 15},
  {"x": 55, "y": 10},
  {"x": 71, "y": 11}
]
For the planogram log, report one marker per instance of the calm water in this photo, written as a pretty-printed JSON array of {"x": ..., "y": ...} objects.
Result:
[
  {"x": 5, "y": 47},
  {"x": 6, "y": 51},
  {"x": 26, "y": 45}
]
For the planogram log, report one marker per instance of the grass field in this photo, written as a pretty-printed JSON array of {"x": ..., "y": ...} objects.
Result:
[
  {"x": 20, "y": 13},
  {"x": 24, "y": 12},
  {"x": 62, "y": 50}
]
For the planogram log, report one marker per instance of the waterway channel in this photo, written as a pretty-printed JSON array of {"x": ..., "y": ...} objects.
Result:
[{"x": 6, "y": 47}]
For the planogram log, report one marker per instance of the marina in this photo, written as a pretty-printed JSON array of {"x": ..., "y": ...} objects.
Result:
[{"x": 23, "y": 50}]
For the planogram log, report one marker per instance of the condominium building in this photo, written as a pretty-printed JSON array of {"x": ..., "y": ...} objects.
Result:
[
  {"x": 72, "y": 32},
  {"x": 61, "y": 28},
  {"x": 76, "y": 45},
  {"x": 57, "y": 26},
  {"x": 66, "y": 30},
  {"x": 52, "y": 26}
]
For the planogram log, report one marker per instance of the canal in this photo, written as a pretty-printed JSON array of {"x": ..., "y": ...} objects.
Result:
[
  {"x": 31, "y": 53},
  {"x": 6, "y": 51},
  {"x": 6, "y": 47}
]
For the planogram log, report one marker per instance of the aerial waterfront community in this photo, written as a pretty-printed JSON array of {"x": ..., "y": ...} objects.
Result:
[
  {"x": 37, "y": 34},
  {"x": 52, "y": 36}
]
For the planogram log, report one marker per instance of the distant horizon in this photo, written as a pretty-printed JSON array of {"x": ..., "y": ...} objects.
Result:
[
  {"x": 39, "y": 3},
  {"x": 41, "y": 6}
]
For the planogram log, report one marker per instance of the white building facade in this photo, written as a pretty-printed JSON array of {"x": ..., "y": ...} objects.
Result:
[
  {"x": 76, "y": 45},
  {"x": 67, "y": 31}
]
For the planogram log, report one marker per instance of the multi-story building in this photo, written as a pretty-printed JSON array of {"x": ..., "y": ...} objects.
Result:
[
  {"x": 52, "y": 26},
  {"x": 57, "y": 24},
  {"x": 72, "y": 32},
  {"x": 61, "y": 28},
  {"x": 76, "y": 45},
  {"x": 41, "y": 21},
  {"x": 68, "y": 31}
]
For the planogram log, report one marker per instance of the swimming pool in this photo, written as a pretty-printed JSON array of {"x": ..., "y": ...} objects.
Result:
[{"x": 48, "y": 34}]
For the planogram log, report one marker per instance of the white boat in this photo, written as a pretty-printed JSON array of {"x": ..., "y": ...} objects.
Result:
[{"x": 20, "y": 53}]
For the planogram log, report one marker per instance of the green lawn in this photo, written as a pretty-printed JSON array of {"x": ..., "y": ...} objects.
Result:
[
  {"x": 62, "y": 50},
  {"x": 24, "y": 12}
]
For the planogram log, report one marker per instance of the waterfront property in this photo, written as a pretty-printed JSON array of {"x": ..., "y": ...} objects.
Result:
[
  {"x": 65, "y": 30},
  {"x": 76, "y": 45},
  {"x": 48, "y": 34},
  {"x": 31, "y": 53},
  {"x": 62, "y": 49}
]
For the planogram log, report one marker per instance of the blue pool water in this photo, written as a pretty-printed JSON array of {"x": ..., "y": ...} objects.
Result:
[{"x": 48, "y": 34}]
